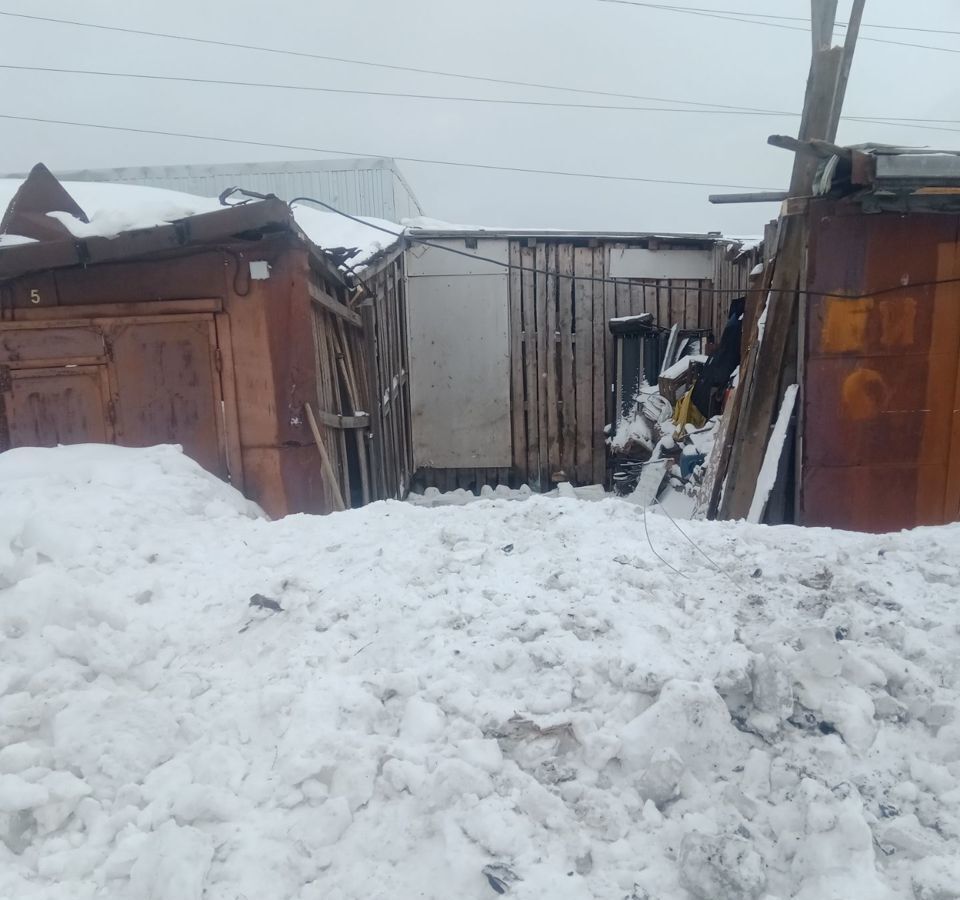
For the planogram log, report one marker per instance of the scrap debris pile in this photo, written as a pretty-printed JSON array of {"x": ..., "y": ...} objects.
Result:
[{"x": 670, "y": 405}]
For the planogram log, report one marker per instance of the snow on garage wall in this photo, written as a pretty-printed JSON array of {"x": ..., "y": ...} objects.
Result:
[{"x": 459, "y": 356}]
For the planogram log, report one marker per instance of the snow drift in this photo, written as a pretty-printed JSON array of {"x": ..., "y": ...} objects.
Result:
[{"x": 497, "y": 698}]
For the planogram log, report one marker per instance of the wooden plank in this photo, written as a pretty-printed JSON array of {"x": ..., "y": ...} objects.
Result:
[
  {"x": 554, "y": 463},
  {"x": 367, "y": 314},
  {"x": 517, "y": 417},
  {"x": 393, "y": 375},
  {"x": 609, "y": 312},
  {"x": 846, "y": 63},
  {"x": 340, "y": 437},
  {"x": 323, "y": 299},
  {"x": 623, "y": 299},
  {"x": 354, "y": 420},
  {"x": 649, "y": 301},
  {"x": 531, "y": 393},
  {"x": 341, "y": 421},
  {"x": 406, "y": 436},
  {"x": 759, "y": 386},
  {"x": 403, "y": 398},
  {"x": 678, "y": 302},
  {"x": 543, "y": 344},
  {"x": 637, "y": 301},
  {"x": 600, "y": 381},
  {"x": 823, "y": 16},
  {"x": 693, "y": 305},
  {"x": 328, "y": 471},
  {"x": 664, "y": 312},
  {"x": 583, "y": 361},
  {"x": 385, "y": 389},
  {"x": 114, "y": 310},
  {"x": 325, "y": 375},
  {"x": 231, "y": 412},
  {"x": 749, "y": 197},
  {"x": 568, "y": 392}
]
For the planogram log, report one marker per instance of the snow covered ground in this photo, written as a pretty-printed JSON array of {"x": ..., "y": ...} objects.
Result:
[{"x": 460, "y": 702}]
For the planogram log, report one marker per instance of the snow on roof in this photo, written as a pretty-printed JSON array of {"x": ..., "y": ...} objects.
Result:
[
  {"x": 330, "y": 231},
  {"x": 117, "y": 208},
  {"x": 11, "y": 240}
]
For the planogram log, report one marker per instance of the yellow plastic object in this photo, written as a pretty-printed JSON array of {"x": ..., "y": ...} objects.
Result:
[{"x": 685, "y": 413}]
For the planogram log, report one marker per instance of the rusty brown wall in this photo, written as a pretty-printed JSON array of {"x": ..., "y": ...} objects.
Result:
[
  {"x": 275, "y": 362},
  {"x": 881, "y": 433},
  {"x": 264, "y": 335}
]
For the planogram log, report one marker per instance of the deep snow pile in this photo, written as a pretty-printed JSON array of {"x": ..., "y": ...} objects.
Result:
[{"x": 462, "y": 701}]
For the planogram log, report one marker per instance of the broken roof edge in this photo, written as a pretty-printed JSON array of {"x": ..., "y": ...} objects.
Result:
[
  {"x": 50, "y": 243},
  {"x": 210, "y": 230},
  {"x": 450, "y": 231}
]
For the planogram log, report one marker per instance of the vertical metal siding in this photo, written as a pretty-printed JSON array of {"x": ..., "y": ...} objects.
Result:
[{"x": 361, "y": 187}]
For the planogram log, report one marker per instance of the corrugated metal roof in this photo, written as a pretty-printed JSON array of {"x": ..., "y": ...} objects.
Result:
[{"x": 364, "y": 186}]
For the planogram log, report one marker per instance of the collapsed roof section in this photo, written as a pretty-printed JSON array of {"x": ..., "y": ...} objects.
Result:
[
  {"x": 882, "y": 177},
  {"x": 48, "y": 225}
]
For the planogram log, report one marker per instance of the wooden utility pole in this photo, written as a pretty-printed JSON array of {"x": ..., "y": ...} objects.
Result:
[{"x": 759, "y": 396}]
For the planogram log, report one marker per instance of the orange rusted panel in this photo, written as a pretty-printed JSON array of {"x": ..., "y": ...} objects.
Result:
[{"x": 881, "y": 443}]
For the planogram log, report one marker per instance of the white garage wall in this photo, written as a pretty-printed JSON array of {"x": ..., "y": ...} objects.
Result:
[{"x": 459, "y": 356}]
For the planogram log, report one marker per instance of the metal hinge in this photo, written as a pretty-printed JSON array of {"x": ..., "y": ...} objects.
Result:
[
  {"x": 111, "y": 413},
  {"x": 218, "y": 359},
  {"x": 6, "y": 381}
]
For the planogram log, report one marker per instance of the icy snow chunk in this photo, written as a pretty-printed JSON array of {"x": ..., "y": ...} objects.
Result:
[
  {"x": 836, "y": 858},
  {"x": 660, "y": 781},
  {"x": 422, "y": 721},
  {"x": 691, "y": 719},
  {"x": 172, "y": 864},
  {"x": 937, "y": 878},
  {"x": 325, "y": 826},
  {"x": 772, "y": 692},
  {"x": 909, "y": 837},
  {"x": 481, "y": 752},
  {"x": 14, "y": 758},
  {"x": 721, "y": 868},
  {"x": 17, "y": 794}
]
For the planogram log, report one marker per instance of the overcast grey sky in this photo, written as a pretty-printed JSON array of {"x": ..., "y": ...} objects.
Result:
[{"x": 576, "y": 43}]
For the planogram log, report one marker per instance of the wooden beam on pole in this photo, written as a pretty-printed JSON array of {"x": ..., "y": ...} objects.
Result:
[
  {"x": 821, "y": 149},
  {"x": 826, "y": 86},
  {"x": 823, "y": 19},
  {"x": 754, "y": 197},
  {"x": 846, "y": 63}
]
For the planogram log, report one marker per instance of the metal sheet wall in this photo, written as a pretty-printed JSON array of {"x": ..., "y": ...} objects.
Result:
[
  {"x": 881, "y": 433},
  {"x": 459, "y": 357}
]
